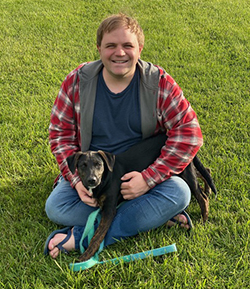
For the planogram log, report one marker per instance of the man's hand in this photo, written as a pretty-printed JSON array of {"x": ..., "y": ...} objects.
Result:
[
  {"x": 85, "y": 195},
  {"x": 133, "y": 185}
]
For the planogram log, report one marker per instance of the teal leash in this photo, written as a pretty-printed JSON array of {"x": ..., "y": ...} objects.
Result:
[{"x": 89, "y": 232}]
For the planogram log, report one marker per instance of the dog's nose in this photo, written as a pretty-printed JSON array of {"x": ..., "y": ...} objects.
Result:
[{"x": 92, "y": 181}]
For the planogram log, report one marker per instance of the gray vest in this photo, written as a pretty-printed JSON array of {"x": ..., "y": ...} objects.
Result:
[{"x": 148, "y": 98}]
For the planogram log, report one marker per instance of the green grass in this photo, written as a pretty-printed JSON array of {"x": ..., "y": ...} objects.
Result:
[{"x": 205, "y": 46}]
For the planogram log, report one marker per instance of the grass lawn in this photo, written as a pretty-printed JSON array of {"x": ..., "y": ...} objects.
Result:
[{"x": 205, "y": 46}]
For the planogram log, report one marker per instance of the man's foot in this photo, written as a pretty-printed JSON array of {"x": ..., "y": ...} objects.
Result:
[
  {"x": 182, "y": 219},
  {"x": 60, "y": 240}
]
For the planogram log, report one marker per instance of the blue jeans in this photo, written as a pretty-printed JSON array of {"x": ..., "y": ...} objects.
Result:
[{"x": 144, "y": 213}]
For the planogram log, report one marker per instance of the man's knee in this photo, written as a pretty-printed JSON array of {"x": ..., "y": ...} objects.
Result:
[
  {"x": 183, "y": 192},
  {"x": 175, "y": 190},
  {"x": 60, "y": 199},
  {"x": 51, "y": 209}
]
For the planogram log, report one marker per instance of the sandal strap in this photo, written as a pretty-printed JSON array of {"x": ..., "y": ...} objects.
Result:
[
  {"x": 60, "y": 245},
  {"x": 189, "y": 221}
]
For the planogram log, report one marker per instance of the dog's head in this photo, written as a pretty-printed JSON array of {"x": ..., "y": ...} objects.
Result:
[{"x": 91, "y": 166}]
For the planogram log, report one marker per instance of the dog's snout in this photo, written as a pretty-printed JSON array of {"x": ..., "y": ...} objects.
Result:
[{"x": 92, "y": 181}]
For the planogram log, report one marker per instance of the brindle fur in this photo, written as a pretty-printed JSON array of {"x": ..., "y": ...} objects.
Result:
[{"x": 102, "y": 172}]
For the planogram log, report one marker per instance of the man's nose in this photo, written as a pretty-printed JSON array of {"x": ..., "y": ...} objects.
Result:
[{"x": 120, "y": 51}]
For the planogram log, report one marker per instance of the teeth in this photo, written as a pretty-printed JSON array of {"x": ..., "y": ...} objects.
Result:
[{"x": 117, "y": 61}]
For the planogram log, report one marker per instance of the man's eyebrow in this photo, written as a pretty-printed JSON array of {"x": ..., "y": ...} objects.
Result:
[
  {"x": 110, "y": 43},
  {"x": 114, "y": 43}
]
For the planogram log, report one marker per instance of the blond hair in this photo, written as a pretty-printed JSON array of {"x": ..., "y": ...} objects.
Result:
[{"x": 117, "y": 21}]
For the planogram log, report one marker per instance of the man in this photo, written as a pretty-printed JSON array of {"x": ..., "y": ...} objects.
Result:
[{"x": 111, "y": 104}]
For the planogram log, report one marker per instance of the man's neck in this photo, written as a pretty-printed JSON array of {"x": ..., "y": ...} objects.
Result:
[{"x": 116, "y": 84}]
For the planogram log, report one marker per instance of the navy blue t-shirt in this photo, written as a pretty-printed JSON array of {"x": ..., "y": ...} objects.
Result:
[{"x": 117, "y": 117}]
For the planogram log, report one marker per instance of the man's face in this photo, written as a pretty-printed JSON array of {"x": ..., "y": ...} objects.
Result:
[{"x": 119, "y": 52}]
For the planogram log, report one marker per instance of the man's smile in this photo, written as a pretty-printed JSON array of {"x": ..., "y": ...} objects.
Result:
[{"x": 119, "y": 61}]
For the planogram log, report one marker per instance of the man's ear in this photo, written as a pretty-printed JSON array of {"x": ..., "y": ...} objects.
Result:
[
  {"x": 73, "y": 160},
  {"x": 140, "y": 51},
  {"x": 98, "y": 48},
  {"x": 108, "y": 158}
]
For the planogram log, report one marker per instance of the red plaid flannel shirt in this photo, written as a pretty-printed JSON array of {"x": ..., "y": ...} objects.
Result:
[{"x": 174, "y": 115}]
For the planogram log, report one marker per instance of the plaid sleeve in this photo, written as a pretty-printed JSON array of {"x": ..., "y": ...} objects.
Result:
[
  {"x": 64, "y": 138},
  {"x": 179, "y": 120}
]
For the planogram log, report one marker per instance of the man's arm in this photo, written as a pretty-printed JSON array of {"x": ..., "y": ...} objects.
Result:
[
  {"x": 63, "y": 137},
  {"x": 179, "y": 120}
]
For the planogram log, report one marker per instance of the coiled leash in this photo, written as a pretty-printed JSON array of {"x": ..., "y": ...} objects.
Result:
[{"x": 89, "y": 233}]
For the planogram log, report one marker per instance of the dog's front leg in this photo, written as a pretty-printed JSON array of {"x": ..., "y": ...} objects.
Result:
[{"x": 108, "y": 213}]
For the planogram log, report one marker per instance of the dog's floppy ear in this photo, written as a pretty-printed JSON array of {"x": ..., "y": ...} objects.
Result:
[
  {"x": 108, "y": 158},
  {"x": 72, "y": 161}
]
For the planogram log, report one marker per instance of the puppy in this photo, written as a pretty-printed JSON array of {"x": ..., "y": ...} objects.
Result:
[{"x": 101, "y": 172}]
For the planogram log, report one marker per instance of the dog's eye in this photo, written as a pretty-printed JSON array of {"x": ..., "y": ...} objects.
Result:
[{"x": 97, "y": 164}]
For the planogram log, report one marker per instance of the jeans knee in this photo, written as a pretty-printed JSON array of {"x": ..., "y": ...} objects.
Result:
[
  {"x": 176, "y": 191},
  {"x": 183, "y": 192},
  {"x": 48, "y": 208},
  {"x": 51, "y": 210}
]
